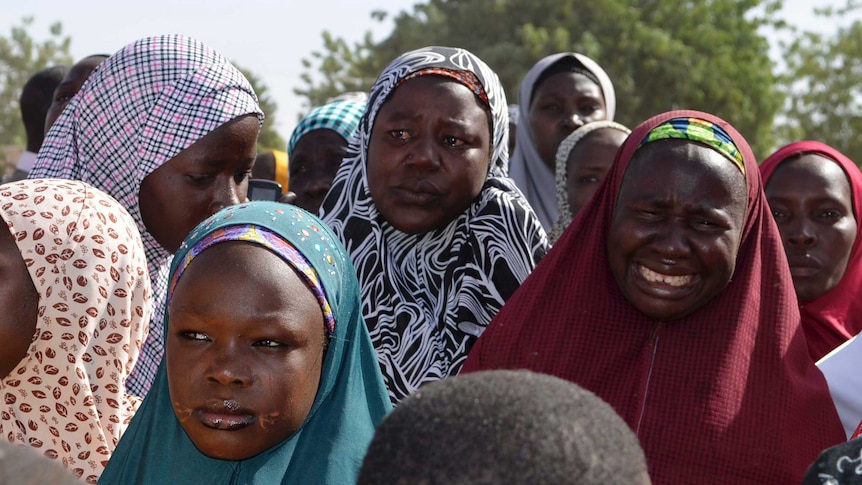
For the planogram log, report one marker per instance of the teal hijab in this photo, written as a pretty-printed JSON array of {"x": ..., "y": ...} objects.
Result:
[{"x": 351, "y": 400}]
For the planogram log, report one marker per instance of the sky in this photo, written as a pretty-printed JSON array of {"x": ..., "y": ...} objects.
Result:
[{"x": 268, "y": 37}]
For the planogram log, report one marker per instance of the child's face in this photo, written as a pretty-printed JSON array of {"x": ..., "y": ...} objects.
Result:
[
  {"x": 244, "y": 350},
  {"x": 588, "y": 163}
]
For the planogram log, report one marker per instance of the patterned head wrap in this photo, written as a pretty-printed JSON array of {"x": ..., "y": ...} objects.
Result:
[
  {"x": 351, "y": 398},
  {"x": 143, "y": 106},
  {"x": 341, "y": 117},
  {"x": 66, "y": 398},
  {"x": 562, "y": 176},
  {"x": 529, "y": 171},
  {"x": 699, "y": 130},
  {"x": 426, "y": 297},
  {"x": 271, "y": 241}
]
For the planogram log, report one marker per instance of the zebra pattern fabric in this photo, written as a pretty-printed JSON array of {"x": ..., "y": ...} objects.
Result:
[{"x": 427, "y": 297}]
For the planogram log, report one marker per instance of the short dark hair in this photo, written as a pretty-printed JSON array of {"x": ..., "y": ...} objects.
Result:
[
  {"x": 36, "y": 98},
  {"x": 502, "y": 426}
]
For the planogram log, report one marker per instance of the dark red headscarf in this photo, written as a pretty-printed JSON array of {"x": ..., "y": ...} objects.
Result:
[
  {"x": 836, "y": 316},
  {"x": 727, "y": 394}
]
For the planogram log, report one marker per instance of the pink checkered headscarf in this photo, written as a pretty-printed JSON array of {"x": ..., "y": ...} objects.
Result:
[{"x": 140, "y": 108}]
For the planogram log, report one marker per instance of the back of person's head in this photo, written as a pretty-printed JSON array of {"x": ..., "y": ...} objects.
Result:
[
  {"x": 36, "y": 98},
  {"x": 501, "y": 426}
]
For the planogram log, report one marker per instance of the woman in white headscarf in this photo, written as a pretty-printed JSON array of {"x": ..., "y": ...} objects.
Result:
[{"x": 559, "y": 94}]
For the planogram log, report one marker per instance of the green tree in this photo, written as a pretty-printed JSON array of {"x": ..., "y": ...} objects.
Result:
[
  {"x": 823, "y": 82},
  {"x": 269, "y": 139},
  {"x": 20, "y": 57},
  {"x": 661, "y": 54}
]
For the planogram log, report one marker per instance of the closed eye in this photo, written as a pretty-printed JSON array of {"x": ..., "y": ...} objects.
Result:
[
  {"x": 199, "y": 179},
  {"x": 239, "y": 177}
]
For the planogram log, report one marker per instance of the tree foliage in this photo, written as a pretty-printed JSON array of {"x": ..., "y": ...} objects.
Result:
[
  {"x": 661, "y": 54},
  {"x": 20, "y": 57},
  {"x": 823, "y": 83},
  {"x": 269, "y": 139}
]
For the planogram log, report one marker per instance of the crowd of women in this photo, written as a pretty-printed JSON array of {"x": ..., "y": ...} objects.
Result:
[{"x": 623, "y": 305}]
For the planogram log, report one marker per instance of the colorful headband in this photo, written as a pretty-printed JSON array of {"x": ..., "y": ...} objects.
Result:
[
  {"x": 275, "y": 243},
  {"x": 466, "y": 78},
  {"x": 699, "y": 130}
]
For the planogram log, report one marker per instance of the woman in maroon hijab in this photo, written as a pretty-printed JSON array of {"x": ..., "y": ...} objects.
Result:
[
  {"x": 815, "y": 193},
  {"x": 670, "y": 298}
]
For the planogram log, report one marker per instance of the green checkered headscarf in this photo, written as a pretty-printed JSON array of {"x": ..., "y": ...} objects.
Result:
[
  {"x": 341, "y": 117},
  {"x": 703, "y": 131}
]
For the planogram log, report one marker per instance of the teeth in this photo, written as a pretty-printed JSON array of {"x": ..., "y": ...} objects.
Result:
[{"x": 654, "y": 277}]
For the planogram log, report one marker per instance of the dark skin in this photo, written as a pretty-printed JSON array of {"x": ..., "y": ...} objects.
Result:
[
  {"x": 264, "y": 166},
  {"x": 812, "y": 203},
  {"x": 211, "y": 174},
  {"x": 20, "y": 301},
  {"x": 69, "y": 87},
  {"x": 313, "y": 164},
  {"x": 243, "y": 360},
  {"x": 676, "y": 228},
  {"x": 588, "y": 163},
  {"x": 560, "y": 105},
  {"x": 429, "y": 154}
]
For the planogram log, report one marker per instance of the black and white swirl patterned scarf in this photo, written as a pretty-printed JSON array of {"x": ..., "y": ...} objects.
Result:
[{"x": 427, "y": 297}]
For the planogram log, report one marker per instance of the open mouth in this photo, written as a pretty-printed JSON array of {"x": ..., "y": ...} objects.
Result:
[{"x": 663, "y": 279}]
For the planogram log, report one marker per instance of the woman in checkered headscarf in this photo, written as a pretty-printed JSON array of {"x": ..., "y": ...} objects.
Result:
[
  {"x": 316, "y": 148},
  {"x": 169, "y": 128}
]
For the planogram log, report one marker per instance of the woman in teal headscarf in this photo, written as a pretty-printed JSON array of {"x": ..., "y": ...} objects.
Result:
[{"x": 222, "y": 438}]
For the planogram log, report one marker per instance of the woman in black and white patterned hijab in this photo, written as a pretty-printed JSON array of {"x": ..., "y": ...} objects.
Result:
[{"x": 439, "y": 235}]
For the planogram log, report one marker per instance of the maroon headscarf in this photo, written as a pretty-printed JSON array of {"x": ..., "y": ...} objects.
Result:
[
  {"x": 727, "y": 394},
  {"x": 836, "y": 316}
]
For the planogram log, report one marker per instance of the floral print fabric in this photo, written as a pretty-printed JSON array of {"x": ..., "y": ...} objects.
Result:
[{"x": 66, "y": 398}]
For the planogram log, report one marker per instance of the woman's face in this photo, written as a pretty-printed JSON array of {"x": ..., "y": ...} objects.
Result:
[
  {"x": 588, "y": 163},
  {"x": 812, "y": 203},
  {"x": 676, "y": 228},
  {"x": 19, "y": 301},
  {"x": 429, "y": 154},
  {"x": 313, "y": 164},
  {"x": 211, "y": 174},
  {"x": 243, "y": 360},
  {"x": 560, "y": 105}
]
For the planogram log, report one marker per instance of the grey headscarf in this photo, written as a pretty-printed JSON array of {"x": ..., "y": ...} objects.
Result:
[{"x": 526, "y": 168}]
